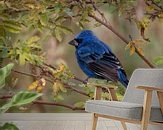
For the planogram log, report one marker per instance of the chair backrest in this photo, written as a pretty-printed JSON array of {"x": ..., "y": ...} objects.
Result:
[{"x": 143, "y": 77}]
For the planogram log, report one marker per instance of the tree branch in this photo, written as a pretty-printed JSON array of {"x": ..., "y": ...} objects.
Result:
[
  {"x": 157, "y": 5},
  {"x": 58, "y": 104},
  {"x": 25, "y": 73},
  {"x": 114, "y": 31},
  {"x": 76, "y": 90},
  {"x": 80, "y": 80},
  {"x": 48, "y": 103},
  {"x": 66, "y": 85},
  {"x": 96, "y": 9},
  {"x": 122, "y": 38}
]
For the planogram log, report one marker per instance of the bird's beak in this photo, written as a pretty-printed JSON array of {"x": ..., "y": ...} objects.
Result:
[{"x": 73, "y": 43}]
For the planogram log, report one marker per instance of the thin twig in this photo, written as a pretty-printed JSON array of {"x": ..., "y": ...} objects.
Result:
[
  {"x": 48, "y": 103},
  {"x": 25, "y": 73},
  {"x": 122, "y": 38},
  {"x": 58, "y": 104},
  {"x": 76, "y": 90},
  {"x": 52, "y": 82},
  {"x": 154, "y": 3},
  {"x": 80, "y": 80},
  {"x": 96, "y": 9},
  {"x": 116, "y": 33}
]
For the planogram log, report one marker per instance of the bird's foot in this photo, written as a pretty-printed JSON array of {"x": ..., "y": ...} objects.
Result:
[{"x": 86, "y": 80}]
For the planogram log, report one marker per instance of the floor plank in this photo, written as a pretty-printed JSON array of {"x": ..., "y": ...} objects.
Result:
[{"x": 58, "y": 121}]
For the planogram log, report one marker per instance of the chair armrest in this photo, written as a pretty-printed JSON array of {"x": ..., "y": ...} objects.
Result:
[{"x": 147, "y": 88}]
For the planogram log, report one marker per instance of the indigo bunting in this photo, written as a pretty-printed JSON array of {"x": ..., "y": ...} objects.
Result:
[{"x": 96, "y": 59}]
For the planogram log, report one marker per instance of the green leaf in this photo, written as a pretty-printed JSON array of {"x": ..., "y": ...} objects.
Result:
[
  {"x": 64, "y": 29},
  {"x": 58, "y": 35},
  {"x": 11, "y": 29},
  {"x": 159, "y": 60},
  {"x": 8, "y": 126},
  {"x": 4, "y": 72},
  {"x": 33, "y": 39},
  {"x": 68, "y": 11},
  {"x": 21, "y": 98},
  {"x": 80, "y": 25},
  {"x": 33, "y": 42},
  {"x": 44, "y": 19},
  {"x": 79, "y": 104},
  {"x": 24, "y": 97},
  {"x": 12, "y": 26},
  {"x": 58, "y": 97},
  {"x": 22, "y": 59}
]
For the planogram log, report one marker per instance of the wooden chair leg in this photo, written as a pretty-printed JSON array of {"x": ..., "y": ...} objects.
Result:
[
  {"x": 146, "y": 109},
  {"x": 160, "y": 98},
  {"x": 94, "y": 121},
  {"x": 112, "y": 92},
  {"x": 124, "y": 125}
]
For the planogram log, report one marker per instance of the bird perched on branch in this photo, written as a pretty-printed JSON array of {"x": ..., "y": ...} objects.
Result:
[{"x": 96, "y": 59}]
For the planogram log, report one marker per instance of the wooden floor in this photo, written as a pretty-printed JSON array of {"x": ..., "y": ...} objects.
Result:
[{"x": 59, "y": 121}]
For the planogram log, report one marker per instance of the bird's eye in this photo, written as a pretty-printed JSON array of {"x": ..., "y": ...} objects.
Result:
[{"x": 79, "y": 40}]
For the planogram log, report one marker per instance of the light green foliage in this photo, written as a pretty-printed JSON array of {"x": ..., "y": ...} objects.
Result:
[
  {"x": 8, "y": 126},
  {"x": 11, "y": 26},
  {"x": 17, "y": 17},
  {"x": 105, "y": 96},
  {"x": 120, "y": 90},
  {"x": 89, "y": 89},
  {"x": 159, "y": 60},
  {"x": 28, "y": 50},
  {"x": 80, "y": 105},
  {"x": 21, "y": 98},
  {"x": 4, "y": 72},
  {"x": 53, "y": 17},
  {"x": 58, "y": 97},
  {"x": 58, "y": 89}
]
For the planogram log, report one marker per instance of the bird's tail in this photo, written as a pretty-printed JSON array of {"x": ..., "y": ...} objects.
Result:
[{"x": 122, "y": 77}]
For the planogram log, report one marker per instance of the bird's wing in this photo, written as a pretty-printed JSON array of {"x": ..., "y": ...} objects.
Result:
[{"x": 101, "y": 61}]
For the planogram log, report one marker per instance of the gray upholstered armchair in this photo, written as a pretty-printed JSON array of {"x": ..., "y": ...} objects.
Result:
[{"x": 142, "y": 103}]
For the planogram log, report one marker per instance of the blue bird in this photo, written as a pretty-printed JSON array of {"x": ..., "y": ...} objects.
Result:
[{"x": 96, "y": 59}]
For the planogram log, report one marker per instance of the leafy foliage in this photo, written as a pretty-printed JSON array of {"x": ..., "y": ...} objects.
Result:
[
  {"x": 135, "y": 44},
  {"x": 21, "y": 98},
  {"x": 23, "y": 16},
  {"x": 62, "y": 72},
  {"x": 8, "y": 126},
  {"x": 159, "y": 60},
  {"x": 28, "y": 50},
  {"x": 58, "y": 88},
  {"x": 80, "y": 105},
  {"x": 4, "y": 72},
  {"x": 38, "y": 85}
]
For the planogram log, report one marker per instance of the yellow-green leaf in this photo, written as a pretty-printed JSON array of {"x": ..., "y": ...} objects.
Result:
[
  {"x": 132, "y": 50},
  {"x": 140, "y": 50},
  {"x": 4, "y": 72},
  {"x": 58, "y": 35},
  {"x": 80, "y": 105},
  {"x": 33, "y": 39},
  {"x": 58, "y": 97},
  {"x": 22, "y": 59},
  {"x": 44, "y": 19}
]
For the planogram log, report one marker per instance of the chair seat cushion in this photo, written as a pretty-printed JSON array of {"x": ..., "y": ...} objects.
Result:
[{"x": 125, "y": 110}]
